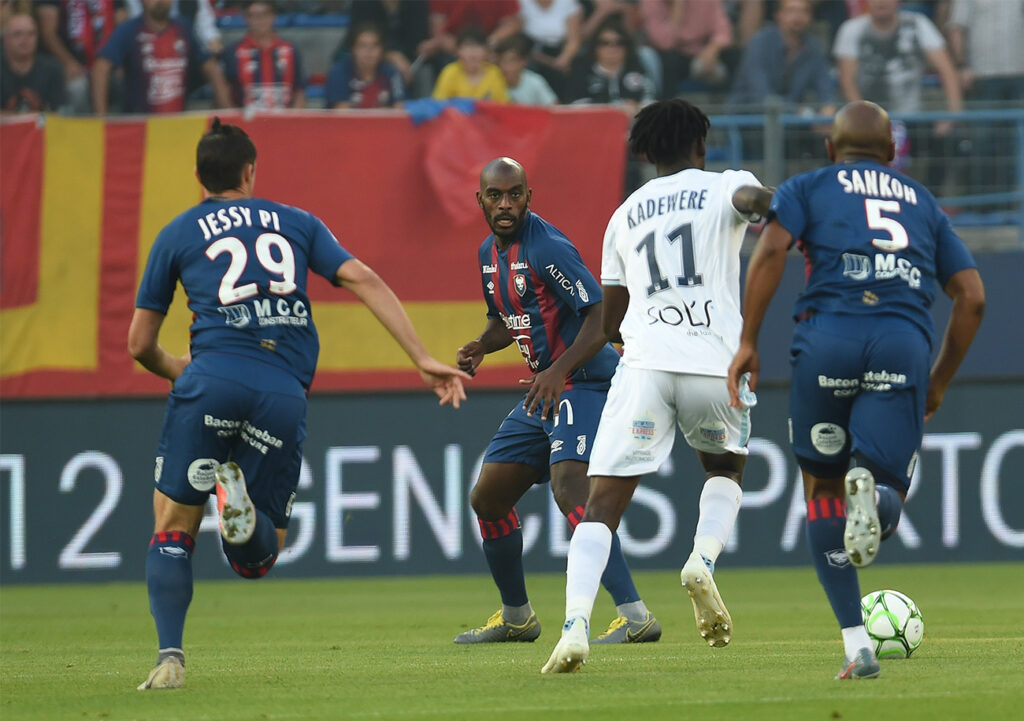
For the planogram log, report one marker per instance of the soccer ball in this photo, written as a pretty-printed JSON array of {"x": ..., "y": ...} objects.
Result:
[{"x": 894, "y": 623}]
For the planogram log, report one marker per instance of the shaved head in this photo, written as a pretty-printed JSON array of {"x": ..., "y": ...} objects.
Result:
[
  {"x": 503, "y": 169},
  {"x": 504, "y": 197},
  {"x": 861, "y": 129}
]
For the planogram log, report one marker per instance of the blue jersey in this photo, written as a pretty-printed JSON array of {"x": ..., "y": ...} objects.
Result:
[
  {"x": 538, "y": 287},
  {"x": 243, "y": 265},
  {"x": 874, "y": 240}
]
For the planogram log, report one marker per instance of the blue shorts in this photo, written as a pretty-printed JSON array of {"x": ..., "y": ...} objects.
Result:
[
  {"x": 542, "y": 444},
  {"x": 859, "y": 386},
  {"x": 231, "y": 408}
]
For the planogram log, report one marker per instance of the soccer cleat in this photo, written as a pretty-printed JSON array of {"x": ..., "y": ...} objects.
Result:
[
  {"x": 234, "y": 508},
  {"x": 498, "y": 630},
  {"x": 572, "y": 648},
  {"x": 623, "y": 630},
  {"x": 863, "y": 531},
  {"x": 713, "y": 621},
  {"x": 863, "y": 665},
  {"x": 169, "y": 673}
]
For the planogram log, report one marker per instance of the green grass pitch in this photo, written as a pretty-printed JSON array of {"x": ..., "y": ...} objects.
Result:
[{"x": 381, "y": 649}]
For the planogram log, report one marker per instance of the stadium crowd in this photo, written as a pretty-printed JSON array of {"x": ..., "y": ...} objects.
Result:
[{"x": 159, "y": 56}]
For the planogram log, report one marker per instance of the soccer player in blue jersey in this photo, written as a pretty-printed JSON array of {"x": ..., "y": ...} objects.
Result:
[
  {"x": 236, "y": 416},
  {"x": 877, "y": 247},
  {"x": 541, "y": 297}
]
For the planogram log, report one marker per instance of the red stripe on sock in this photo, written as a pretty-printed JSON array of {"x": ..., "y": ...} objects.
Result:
[
  {"x": 840, "y": 507},
  {"x": 513, "y": 518},
  {"x": 812, "y": 510},
  {"x": 823, "y": 508},
  {"x": 575, "y": 516},
  {"x": 504, "y": 528}
]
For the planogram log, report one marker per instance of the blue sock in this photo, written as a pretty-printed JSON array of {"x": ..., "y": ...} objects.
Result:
[
  {"x": 890, "y": 508},
  {"x": 255, "y": 558},
  {"x": 503, "y": 548},
  {"x": 169, "y": 580},
  {"x": 616, "y": 578},
  {"x": 826, "y": 523}
]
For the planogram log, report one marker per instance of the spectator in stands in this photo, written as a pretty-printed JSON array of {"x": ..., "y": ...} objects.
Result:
[
  {"x": 525, "y": 87},
  {"x": 29, "y": 82},
  {"x": 73, "y": 31},
  {"x": 985, "y": 40},
  {"x": 264, "y": 70},
  {"x": 197, "y": 14},
  {"x": 984, "y": 36},
  {"x": 471, "y": 76},
  {"x": 404, "y": 26},
  {"x": 595, "y": 12},
  {"x": 157, "y": 55},
  {"x": 784, "y": 59},
  {"x": 882, "y": 57},
  {"x": 611, "y": 72},
  {"x": 691, "y": 37},
  {"x": 497, "y": 18},
  {"x": 554, "y": 27},
  {"x": 362, "y": 78}
]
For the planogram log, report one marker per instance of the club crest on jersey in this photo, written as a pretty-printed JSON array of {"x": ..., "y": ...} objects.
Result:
[{"x": 520, "y": 283}]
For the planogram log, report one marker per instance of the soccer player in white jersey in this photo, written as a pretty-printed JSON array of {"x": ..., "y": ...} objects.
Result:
[{"x": 670, "y": 274}]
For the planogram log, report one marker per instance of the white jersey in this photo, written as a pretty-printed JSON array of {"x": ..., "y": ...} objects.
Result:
[{"x": 675, "y": 245}]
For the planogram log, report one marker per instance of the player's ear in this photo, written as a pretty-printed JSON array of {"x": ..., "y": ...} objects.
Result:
[
  {"x": 830, "y": 149},
  {"x": 892, "y": 151},
  {"x": 479, "y": 199}
]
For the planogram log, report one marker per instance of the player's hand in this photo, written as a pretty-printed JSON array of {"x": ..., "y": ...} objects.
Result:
[
  {"x": 445, "y": 381},
  {"x": 933, "y": 400},
  {"x": 469, "y": 357},
  {"x": 745, "y": 361},
  {"x": 545, "y": 392},
  {"x": 178, "y": 365}
]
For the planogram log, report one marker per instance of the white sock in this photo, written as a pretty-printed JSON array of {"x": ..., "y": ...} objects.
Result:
[
  {"x": 588, "y": 555},
  {"x": 719, "y": 503},
  {"x": 854, "y": 639}
]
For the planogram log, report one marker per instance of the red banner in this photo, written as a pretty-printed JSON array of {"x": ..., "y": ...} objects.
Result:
[{"x": 90, "y": 196}]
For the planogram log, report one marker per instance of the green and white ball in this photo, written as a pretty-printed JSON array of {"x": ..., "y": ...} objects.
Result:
[{"x": 894, "y": 623}]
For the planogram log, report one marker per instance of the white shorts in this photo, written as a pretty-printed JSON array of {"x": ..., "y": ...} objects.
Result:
[{"x": 637, "y": 427}]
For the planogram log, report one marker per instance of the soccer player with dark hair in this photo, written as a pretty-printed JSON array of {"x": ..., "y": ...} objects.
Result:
[
  {"x": 540, "y": 296},
  {"x": 236, "y": 415},
  {"x": 876, "y": 246},
  {"x": 670, "y": 272}
]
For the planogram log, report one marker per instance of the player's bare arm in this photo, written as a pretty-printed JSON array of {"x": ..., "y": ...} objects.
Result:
[
  {"x": 546, "y": 387},
  {"x": 445, "y": 381},
  {"x": 753, "y": 199},
  {"x": 968, "y": 294},
  {"x": 616, "y": 301},
  {"x": 494, "y": 338},
  {"x": 143, "y": 345},
  {"x": 763, "y": 276}
]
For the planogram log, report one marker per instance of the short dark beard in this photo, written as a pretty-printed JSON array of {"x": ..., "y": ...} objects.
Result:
[{"x": 508, "y": 234}]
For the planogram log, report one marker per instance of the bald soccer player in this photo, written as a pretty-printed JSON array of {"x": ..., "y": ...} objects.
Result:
[
  {"x": 861, "y": 387},
  {"x": 540, "y": 296}
]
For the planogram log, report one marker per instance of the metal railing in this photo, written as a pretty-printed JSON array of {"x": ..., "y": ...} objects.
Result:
[{"x": 976, "y": 171}]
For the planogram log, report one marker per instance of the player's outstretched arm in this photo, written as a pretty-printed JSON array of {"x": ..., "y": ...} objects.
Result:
[
  {"x": 495, "y": 337},
  {"x": 143, "y": 345},
  {"x": 763, "y": 275},
  {"x": 753, "y": 199},
  {"x": 444, "y": 380},
  {"x": 546, "y": 387},
  {"x": 968, "y": 294}
]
